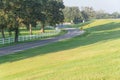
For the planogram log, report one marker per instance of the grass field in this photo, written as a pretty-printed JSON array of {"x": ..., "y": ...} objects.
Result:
[
  {"x": 26, "y": 32},
  {"x": 92, "y": 56},
  {"x": 79, "y": 25}
]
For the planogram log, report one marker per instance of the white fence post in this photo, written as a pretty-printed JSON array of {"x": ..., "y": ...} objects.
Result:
[
  {"x": 3, "y": 40},
  {"x": 9, "y": 40}
]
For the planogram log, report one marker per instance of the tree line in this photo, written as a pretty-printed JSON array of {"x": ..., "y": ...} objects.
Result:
[
  {"x": 14, "y": 13},
  {"x": 75, "y": 15}
]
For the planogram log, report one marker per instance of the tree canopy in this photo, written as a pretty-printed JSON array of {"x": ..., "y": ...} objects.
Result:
[{"x": 29, "y": 12}]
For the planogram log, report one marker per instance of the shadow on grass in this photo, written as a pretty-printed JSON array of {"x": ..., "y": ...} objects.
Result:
[{"x": 88, "y": 38}]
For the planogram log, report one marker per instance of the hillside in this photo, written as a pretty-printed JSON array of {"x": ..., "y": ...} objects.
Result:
[{"x": 92, "y": 56}]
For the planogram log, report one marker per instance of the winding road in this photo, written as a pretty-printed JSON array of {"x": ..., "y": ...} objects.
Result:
[{"x": 72, "y": 32}]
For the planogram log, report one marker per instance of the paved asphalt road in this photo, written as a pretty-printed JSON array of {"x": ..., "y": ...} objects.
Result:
[{"x": 72, "y": 32}]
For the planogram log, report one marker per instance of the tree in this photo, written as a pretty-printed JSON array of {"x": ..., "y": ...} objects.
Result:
[
  {"x": 20, "y": 11},
  {"x": 54, "y": 12},
  {"x": 41, "y": 13},
  {"x": 115, "y": 15},
  {"x": 71, "y": 14},
  {"x": 3, "y": 22},
  {"x": 51, "y": 13},
  {"x": 3, "y": 18},
  {"x": 14, "y": 9},
  {"x": 31, "y": 10},
  {"x": 88, "y": 13}
]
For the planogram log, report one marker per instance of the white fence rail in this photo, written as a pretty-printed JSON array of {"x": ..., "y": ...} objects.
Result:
[{"x": 29, "y": 37}]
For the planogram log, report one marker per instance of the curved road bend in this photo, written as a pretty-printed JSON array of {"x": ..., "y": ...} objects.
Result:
[{"x": 72, "y": 32}]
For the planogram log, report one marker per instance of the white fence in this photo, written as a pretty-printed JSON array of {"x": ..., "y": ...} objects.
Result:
[{"x": 29, "y": 37}]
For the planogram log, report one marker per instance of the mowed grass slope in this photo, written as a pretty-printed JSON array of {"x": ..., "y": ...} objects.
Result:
[{"x": 92, "y": 56}]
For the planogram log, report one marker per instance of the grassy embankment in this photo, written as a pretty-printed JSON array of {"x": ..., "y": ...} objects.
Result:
[{"x": 93, "y": 56}]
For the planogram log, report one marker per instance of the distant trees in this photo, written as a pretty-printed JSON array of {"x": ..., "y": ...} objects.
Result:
[
  {"x": 72, "y": 14},
  {"x": 29, "y": 12},
  {"x": 75, "y": 15},
  {"x": 101, "y": 14},
  {"x": 115, "y": 15},
  {"x": 104, "y": 15},
  {"x": 88, "y": 13}
]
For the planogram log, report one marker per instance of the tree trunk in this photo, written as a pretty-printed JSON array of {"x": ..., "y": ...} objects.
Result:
[
  {"x": 30, "y": 28},
  {"x": 16, "y": 34},
  {"x": 3, "y": 34},
  {"x": 27, "y": 26},
  {"x": 42, "y": 29}
]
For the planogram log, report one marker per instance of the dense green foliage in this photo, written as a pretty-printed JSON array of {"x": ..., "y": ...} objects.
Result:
[{"x": 15, "y": 13}]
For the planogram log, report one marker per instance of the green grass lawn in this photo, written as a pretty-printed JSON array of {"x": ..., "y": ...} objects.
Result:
[
  {"x": 92, "y": 56},
  {"x": 79, "y": 25},
  {"x": 24, "y": 31}
]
